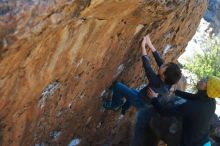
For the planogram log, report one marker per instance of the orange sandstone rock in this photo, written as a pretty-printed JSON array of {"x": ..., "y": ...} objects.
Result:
[{"x": 62, "y": 55}]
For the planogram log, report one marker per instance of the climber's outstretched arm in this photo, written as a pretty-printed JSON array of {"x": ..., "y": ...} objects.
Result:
[
  {"x": 156, "y": 54},
  {"x": 152, "y": 77}
]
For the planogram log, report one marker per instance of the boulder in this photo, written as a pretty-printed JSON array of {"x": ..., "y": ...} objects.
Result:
[{"x": 65, "y": 54}]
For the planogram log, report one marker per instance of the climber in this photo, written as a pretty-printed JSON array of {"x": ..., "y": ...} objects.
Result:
[
  {"x": 196, "y": 112},
  {"x": 168, "y": 74}
]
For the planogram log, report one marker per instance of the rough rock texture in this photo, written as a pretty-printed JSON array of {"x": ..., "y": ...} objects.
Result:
[
  {"x": 212, "y": 15},
  {"x": 58, "y": 57}
]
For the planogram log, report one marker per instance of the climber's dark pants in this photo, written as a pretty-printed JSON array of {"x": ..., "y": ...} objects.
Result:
[
  {"x": 143, "y": 134},
  {"x": 132, "y": 96}
]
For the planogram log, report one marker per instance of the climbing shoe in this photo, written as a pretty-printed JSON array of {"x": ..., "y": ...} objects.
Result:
[{"x": 110, "y": 106}]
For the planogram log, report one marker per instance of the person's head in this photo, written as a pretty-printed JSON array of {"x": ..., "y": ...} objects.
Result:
[
  {"x": 202, "y": 84},
  {"x": 170, "y": 73}
]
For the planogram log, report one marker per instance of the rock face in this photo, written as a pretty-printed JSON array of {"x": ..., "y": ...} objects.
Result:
[
  {"x": 212, "y": 15},
  {"x": 58, "y": 57}
]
